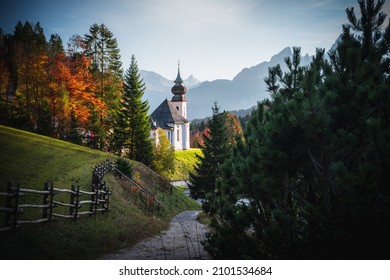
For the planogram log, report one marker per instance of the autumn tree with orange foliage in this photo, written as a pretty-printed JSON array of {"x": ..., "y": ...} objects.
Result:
[
  {"x": 233, "y": 130},
  {"x": 45, "y": 89},
  {"x": 73, "y": 92}
]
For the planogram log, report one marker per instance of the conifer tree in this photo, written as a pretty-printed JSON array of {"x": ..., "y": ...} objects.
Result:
[
  {"x": 29, "y": 58},
  {"x": 204, "y": 181},
  {"x": 311, "y": 178},
  {"x": 132, "y": 130},
  {"x": 102, "y": 49}
]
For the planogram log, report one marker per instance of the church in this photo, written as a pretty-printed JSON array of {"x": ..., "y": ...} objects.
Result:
[{"x": 171, "y": 116}]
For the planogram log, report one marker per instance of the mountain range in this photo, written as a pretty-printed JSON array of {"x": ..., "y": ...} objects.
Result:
[{"x": 242, "y": 92}]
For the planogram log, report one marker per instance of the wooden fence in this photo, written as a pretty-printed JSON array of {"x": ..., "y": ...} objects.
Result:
[{"x": 97, "y": 199}]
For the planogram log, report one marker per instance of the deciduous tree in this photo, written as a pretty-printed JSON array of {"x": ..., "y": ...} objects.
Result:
[{"x": 164, "y": 155}]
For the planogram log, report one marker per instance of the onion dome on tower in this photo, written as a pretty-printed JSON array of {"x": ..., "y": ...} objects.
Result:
[{"x": 178, "y": 89}]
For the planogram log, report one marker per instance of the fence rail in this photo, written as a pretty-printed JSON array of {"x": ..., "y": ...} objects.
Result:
[
  {"x": 16, "y": 205},
  {"x": 74, "y": 204}
]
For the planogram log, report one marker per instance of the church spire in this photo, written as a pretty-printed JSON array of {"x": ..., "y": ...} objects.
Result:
[
  {"x": 178, "y": 89},
  {"x": 178, "y": 80}
]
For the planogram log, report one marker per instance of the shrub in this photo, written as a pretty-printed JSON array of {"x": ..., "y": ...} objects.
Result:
[{"x": 124, "y": 166}]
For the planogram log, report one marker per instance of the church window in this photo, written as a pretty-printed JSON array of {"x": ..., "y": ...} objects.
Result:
[
  {"x": 177, "y": 108},
  {"x": 178, "y": 134}
]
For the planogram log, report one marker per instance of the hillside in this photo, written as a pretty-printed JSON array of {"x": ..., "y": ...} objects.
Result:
[
  {"x": 32, "y": 159},
  {"x": 184, "y": 164}
]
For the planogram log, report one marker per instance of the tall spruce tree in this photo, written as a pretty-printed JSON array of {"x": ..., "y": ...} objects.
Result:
[
  {"x": 27, "y": 60},
  {"x": 204, "y": 181},
  {"x": 132, "y": 130},
  {"x": 102, "y": 49}
]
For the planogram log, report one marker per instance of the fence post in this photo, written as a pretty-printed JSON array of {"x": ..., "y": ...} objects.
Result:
[
  {"x": 107, "y": 198},
  {"x": 102, "y": 196},
  {"x": 93, "y": 177},
  {"x": 71, "y": 200},
  {"x": 91, "y": 206},
  {"x": 45, "y": 200},
  {"x": 102, "y": 187},
  {"x": 51, "y": 202},
  {"x": 76, "y": 214},
  {"x": 16, "y": 209},
  {"x": 96, "y": 201}
]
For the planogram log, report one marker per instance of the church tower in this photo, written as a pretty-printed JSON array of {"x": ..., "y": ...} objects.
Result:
[
  {"x": 171, "y": 116},
  {"x": 178, "y": 99}
]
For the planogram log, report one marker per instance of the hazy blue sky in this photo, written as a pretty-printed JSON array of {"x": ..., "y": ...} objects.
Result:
[{"x": 212, "y": 38}]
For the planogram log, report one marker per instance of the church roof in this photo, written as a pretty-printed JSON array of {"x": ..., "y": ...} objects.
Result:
[{"x": 166, "y": 114}]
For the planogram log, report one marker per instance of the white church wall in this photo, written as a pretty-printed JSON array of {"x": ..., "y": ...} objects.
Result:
[
  {"x": 177, "y": 138},
  {"x": 186, "y": 136}
]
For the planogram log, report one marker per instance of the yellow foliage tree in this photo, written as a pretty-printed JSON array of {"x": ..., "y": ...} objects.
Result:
[{"x": 164, "y": 155}]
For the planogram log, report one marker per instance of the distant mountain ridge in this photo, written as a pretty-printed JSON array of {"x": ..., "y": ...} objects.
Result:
[
  {"x": 243, "y": 92},
  {"x": 156, "y": 82}
]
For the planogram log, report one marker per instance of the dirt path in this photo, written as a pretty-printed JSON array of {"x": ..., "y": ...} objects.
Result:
[{"x": 182, "y": 241}]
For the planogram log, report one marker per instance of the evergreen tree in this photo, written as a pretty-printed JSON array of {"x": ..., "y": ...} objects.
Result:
[
  {"x": 29, "y": 58},
  {"x": 102, "y": 49},
  {"x": 360, "y": 142},
  {"x": 5, "y": 77},
  {"x": 55, "y": 46},
  {"x": 311, "y": 178},
  {"x": 132, "y": 130},
  {"x": 204, "y": 181}
]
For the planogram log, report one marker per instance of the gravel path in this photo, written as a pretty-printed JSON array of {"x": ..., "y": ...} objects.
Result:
[{"x": 182, "y": 241}]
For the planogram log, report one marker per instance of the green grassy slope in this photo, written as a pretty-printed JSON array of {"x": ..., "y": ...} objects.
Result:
[
  {"x": 32, "y": 159},
  {"x": 184, "y": 164}
]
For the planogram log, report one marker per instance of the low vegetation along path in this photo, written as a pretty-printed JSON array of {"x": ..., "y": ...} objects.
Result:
[{"x": 182, "y": 241}]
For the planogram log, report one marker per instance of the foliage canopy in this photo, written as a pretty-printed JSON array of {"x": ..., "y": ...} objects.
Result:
[{"x": 311, "y": 179}]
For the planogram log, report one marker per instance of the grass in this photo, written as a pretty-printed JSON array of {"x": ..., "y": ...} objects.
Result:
[
  {"x": 32, "y": 159},
  {"x": 184, "y": 164}
]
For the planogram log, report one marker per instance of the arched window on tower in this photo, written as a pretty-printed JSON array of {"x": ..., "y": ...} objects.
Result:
[{"x": 177, "y": 108}]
